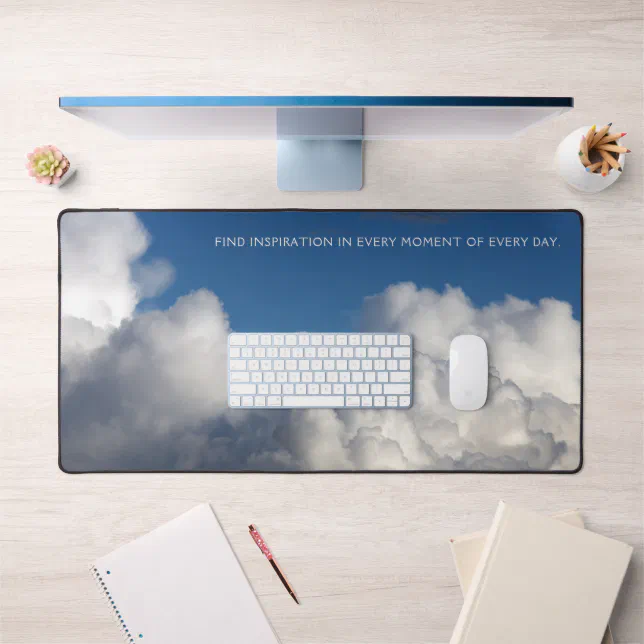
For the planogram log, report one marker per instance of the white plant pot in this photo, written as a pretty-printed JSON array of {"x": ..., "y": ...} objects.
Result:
[{"x": 572, "y": 170}]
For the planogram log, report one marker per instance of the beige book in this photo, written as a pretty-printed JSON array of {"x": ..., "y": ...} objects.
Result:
[
  {"x": 468, "y": 548},
  {"x": 562, "y": 593}
]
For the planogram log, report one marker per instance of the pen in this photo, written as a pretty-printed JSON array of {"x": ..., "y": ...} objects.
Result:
[{"x": 261, "y": 544}]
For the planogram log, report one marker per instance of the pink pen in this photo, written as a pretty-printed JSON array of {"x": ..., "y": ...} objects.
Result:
[{"x": 261, "y": 544}]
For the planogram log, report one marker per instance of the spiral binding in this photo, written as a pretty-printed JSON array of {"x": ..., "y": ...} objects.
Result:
[{"x": 125, "y": 631}]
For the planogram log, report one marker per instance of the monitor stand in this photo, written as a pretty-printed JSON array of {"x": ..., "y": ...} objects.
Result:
[{"x": 319, "y": 149}]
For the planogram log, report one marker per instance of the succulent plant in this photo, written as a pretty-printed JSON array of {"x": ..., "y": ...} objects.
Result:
[{"x": 47, "y": 164}]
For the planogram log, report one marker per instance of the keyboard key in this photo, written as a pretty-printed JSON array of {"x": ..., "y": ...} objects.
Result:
[
  {"x": 310, "y": 352},
  {"x": 383, "y": 376},
  {"x": 237, "y": 340},
  {"x": 405, "y": 339},
  {"x": 272, "y": 352},
  {"x": 335, "y": 352},
  {"x": 234, "y": 401},
  {"x": 373, "y": 352},
  {"x": 370, "y": 376},
  {"x": 342, "y": 340},
  {"x": 313, "y": 401},
  {"x": 319, "y": 376},
  {"x": 402, "y": 352},
  {"x": 259, "y": 352},
  {"x": 278, "y": 365},
  {"x": 252, "y": 339},
  {"x": 404, "y": 365},
  {"x": 397, "y": 389},
  {"x": 392, "y": 365},
  {"x": 291, "y": 365},
  {"x": 338, "y": 389},
  {"x": 345, "y": 376},
  {"x": 234, "y": 352},
  {"x": 392, "y": 339},
  {"x": 237, "y": 365},
  {"x": 300, "y": 389},
  {"x": 275, "y": 389},
  {"x": 242, "y": 389},
  {"x": 367, "y": 340},
  {"x": 304, "y": 340},
  {"x": 278, "y": 340},
  {"x": 269, "y": 376},
  {"x": 240, "y": 376},
  {"x": 351, "y": 389},
  {"x": 363, "y": 389},
  {"x": 399, "y": 376},
  {"x": 253, "y": 365},
  {"x": 313, "y": 389},
  {"x": 266, "y": 365},
  {"x": 246, "y": 352},
  {"x": 376, "y": 389},
  {"x": 332, "y": 376},
  {"x": 323, "y": 352},
  {"x": 285, "y": 352},
  {"x": 325, "y": 390},
  {"x": 297, "y": 352},
  {"x": 385, "y": 352},
  {"x": 404, "y": 401},
  {"x": 329, "y": 340},
  {"x": 256, "y": 376},
  {"x": 366, "y": 401},
  {"x": 360, "y": 352},
  {"x": 294, "y": 376},
  {"x": 379, "y": 365},
  {"x": 379, "y": 339},
  {"x": 379, "y": 401},
  {"x": 247, "y": 401},
  {"x": 260, "y": 401},
  {"x": 307, "y": 376},
  {"x": 303, "y": 365},
  {"x": 316, "y": 365},
  {"x": 392, "y": 401},
  {"x": 291, "y": 340},
  {"x": 274, "y": 401},
  {"x": 316, "y": 340},
  {"x": 341, "y": 365},
  {"x": 353, "y": 401},
  {"x": 329, "y": 365},
  {"x": 357, "y": 376},
  {"x": 354, "y": 340},
  {"x": 262, "y": 389},
  {"x": 288, "y": 389},
  {"x": 282, "y": 376},
  {"x": 265, "y": 340},
  {"x": 347, "y": 352},
  {"x": 354, "y": 365}
]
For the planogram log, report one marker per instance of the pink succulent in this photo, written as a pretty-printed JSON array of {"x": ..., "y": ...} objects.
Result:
[{"x": 47, "y": 164}]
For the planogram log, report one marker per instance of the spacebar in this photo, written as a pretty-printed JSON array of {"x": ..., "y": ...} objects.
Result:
[{"x": 312, "y": 401}]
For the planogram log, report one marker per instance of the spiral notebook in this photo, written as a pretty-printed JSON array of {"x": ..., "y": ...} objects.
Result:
[{"x": 182, "y": 583}]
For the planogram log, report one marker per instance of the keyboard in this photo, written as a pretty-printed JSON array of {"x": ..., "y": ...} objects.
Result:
[{"x": 318, "y": 370}]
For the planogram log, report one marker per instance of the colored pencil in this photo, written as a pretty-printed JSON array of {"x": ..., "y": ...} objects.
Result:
[
  {"x": 604, "y": 168},
  {"x": 594, "y": 166},
  {"x": 609, "y": 138},
  {"x": 590, "y": 135},
  {"x": 612, "y": 148},
  {"x": 583, "y": 155},
  {"x": 607, "y": 156},
  {"x": 261, "y": 544},
  {"x": 600, "y": 133}
]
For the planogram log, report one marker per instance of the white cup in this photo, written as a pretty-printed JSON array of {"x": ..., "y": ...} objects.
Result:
[{"x": 572, "y": 170}]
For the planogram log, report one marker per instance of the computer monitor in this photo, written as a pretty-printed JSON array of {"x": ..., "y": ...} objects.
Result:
[{"x": 320, "y": 138}]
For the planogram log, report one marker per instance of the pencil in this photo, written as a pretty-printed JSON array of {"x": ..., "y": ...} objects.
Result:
[
  {"x": 583, "y": 155},
  {"x": 600, "y": 133},
  {"x": 607, "y": 156},
  {"x": 590, "y": 135},
  {"x": 594, "y": 166},
  {"x": 604, "y": 168},
  {"x": 612, "y": 148},
  {"x": 609, "y": 138}
]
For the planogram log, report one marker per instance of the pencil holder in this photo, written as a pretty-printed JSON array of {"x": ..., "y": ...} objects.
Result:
[{"x": 572, "y": 170}]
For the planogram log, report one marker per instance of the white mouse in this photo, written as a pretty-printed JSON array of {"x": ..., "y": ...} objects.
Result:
[{"x": 468, "y": 372}]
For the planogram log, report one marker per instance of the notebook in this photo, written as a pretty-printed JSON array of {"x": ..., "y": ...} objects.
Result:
[
  {"x": 563, "y": 593},
  {"x": 182, "y": 583},
  {"x": 468, "y": 548}
]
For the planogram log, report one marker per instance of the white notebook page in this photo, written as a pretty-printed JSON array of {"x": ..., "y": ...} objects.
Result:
[{"x": 182, "y": 583}]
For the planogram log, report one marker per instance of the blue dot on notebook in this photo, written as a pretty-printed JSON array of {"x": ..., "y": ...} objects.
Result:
[{"x": 108, "y": 572}]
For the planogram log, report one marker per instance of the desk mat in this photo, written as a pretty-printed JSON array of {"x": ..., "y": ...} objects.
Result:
[{"x": 148, "y": 301}]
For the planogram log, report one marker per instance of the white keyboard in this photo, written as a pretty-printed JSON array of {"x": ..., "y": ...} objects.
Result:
[{"x": 337, "y": 370}]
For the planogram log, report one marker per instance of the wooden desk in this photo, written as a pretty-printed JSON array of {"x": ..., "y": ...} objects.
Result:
[{"x": 367, "y": 554}]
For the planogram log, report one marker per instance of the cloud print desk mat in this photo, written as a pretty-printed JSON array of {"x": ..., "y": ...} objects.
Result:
[{"x": 187, "y": 336}]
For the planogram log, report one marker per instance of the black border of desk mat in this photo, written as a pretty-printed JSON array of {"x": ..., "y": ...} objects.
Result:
[{"x": 395, "y": 210}]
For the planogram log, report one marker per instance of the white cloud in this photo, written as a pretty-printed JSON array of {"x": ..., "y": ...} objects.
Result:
[
  {"x": 102, "y": 278},
  {"x": 151, "y": 394}
]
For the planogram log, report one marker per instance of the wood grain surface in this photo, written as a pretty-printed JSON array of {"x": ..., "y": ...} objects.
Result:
[{"x": 367, "y": 554}]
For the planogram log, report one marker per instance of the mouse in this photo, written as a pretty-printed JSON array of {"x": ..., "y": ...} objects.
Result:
[{"x": 468, "y": 372}]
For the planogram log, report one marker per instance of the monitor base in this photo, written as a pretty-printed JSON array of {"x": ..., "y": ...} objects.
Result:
[{"x": 319, "y": 149}]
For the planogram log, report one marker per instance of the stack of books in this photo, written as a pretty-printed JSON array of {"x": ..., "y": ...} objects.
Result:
[{"x": 537, "y": 580}]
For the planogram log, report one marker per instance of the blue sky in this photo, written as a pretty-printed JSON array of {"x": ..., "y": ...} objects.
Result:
[{"x": 318, "y": 289}]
